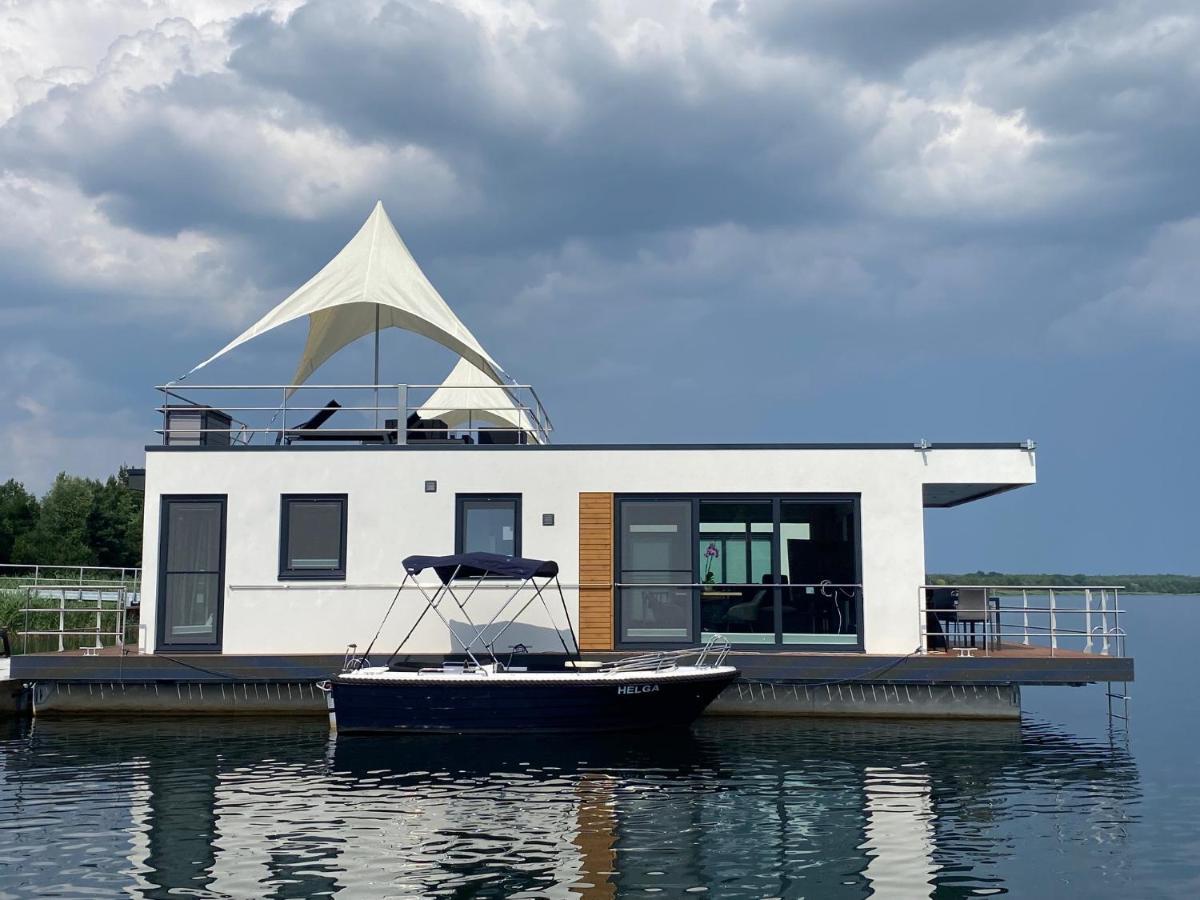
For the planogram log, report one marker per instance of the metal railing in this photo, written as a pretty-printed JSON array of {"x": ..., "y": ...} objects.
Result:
[
  {"x": 71, "y": 607},
  {"x": 128, "y": 576},
  {"x": 282, "y": 414},
  {"x": 717, "y": 646},
  {"x": 744, "y": 612},
  {"x": 1037, "y": 618},
  {"x": 102, "y": 604}
]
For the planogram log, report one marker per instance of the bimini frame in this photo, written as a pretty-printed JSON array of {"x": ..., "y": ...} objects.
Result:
[{"x": 477, "y": 567}]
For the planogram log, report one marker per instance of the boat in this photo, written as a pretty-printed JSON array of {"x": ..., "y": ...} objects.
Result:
[{"x": 482, "y": 694}]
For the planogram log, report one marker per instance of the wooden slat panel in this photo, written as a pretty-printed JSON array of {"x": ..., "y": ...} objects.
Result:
[{"x": 596, "y": 571}]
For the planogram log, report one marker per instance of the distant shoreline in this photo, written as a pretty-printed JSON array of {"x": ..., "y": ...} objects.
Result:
[{"x": 1130, "y": 584}]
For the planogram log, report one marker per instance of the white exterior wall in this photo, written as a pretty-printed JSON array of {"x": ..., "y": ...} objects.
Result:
[{"x": 390, "y": 516}]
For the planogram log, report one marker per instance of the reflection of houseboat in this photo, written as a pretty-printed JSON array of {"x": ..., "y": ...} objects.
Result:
[
  {"x": 822, "y": 809},
  {"x": 277, "y": 516}
]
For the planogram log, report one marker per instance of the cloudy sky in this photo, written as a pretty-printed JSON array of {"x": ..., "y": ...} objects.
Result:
[{"x": 731, "y": 220}]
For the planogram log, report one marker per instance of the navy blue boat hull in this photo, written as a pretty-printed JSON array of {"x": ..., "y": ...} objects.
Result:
[{"x": 530, "y": 706}]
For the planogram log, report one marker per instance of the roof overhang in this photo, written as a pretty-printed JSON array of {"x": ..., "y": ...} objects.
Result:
[{"x": 942, "y": 496}]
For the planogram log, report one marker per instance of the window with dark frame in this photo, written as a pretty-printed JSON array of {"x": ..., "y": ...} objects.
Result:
[
  {"x": 488, "y": 523},
  {"x": 312, "y": 537}
]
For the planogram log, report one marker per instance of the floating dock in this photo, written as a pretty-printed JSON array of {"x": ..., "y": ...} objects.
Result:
[{"x": 929, "y": 685}]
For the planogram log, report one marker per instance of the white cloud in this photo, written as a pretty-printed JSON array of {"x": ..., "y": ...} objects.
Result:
[
  {"x": 48, "y": 42},
  {"x": 54, "y": 228}
]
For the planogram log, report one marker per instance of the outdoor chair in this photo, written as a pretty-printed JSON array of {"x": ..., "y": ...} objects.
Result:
[{"x": 322, "y": 416}]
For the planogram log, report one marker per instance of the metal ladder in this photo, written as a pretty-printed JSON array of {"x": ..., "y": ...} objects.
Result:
[{"x": 1118, "y": 709}]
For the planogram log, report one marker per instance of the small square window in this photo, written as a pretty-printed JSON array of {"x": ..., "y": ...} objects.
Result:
[
  {"x": 488, "y": 524},
  {"x": 312, "y": 537}
]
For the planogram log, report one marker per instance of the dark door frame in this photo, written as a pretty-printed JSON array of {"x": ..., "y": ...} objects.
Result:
[{"x": 160, "y": 599}]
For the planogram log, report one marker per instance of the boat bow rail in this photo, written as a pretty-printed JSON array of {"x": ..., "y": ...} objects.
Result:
[{"x": 711, "y": 655}]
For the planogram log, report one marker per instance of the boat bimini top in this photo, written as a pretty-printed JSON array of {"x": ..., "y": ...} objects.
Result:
[
  {"x": 536, "y": 576},
  {"x": 481, "y": 565}
]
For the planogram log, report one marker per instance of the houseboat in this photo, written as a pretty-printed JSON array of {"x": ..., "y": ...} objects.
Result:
[{"x": 277, "y": 518}]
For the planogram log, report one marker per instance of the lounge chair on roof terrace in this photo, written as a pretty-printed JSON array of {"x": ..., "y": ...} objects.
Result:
[{"x": 297, "y": 432}]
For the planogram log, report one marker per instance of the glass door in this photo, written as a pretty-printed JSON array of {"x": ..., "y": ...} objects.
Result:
[
  {"x": 191, "y": 578},
  {"x": 819, "y": 570},
  {"x": 656, "y": 571},
  {"x": 737, "y": 594}
]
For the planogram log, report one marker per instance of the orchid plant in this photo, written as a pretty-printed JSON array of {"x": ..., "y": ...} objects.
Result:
[{"x": 710, "y": 553}]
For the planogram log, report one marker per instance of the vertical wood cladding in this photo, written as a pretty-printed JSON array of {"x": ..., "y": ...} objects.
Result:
[{"x": 596, "y": 571}]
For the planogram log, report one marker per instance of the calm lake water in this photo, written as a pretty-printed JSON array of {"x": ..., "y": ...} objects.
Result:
[{"x": 735, "y": 808}]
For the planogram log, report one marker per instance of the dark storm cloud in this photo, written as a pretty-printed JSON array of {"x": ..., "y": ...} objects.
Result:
[
  {"x": 774, "y": 204},
  {"x": 880, "y": 38},
  {"x": 559, "y": 135}
]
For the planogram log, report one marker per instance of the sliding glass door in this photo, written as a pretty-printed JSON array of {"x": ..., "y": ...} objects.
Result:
[
  {"x": 779, "y": 571},
  {"x": 818, "y": 560},
  {"x": 737, "y": 597},
  {"x": 191, "y": 577}
]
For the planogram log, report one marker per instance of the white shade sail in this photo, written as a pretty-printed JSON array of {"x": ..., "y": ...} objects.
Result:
[
  {"x": 373, "y": 275},
  {"x": 468, "y": 398}
]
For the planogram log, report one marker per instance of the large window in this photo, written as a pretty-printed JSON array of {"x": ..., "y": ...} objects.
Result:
[
  {"x": 312, "y": 537},
  {"x": 488, "y": 523},
  {"x": 759, "y": 570},
  {"x": 656, "y": 551}
]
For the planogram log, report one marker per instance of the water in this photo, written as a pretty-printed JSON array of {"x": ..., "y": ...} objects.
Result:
[{"x": 736, "y": 808}]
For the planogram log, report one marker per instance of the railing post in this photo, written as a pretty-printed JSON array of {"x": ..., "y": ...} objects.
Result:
[
  {"x": 99, "y": 612},
  {"x": 61, "y": 618},
  {"x": 120, "y": 626},
  {"x": 1025, "y": 613},
  {"x": 1053, "y": 625},
  {"x": 1104, "y": 622},
  {"x": 1120, "y": 635},
  {"x": 282, "y": 420},
  {"x": 1087, "y": 618},
  {"x": 401, "y": 414},
  {"x": 921, "y": 626}
]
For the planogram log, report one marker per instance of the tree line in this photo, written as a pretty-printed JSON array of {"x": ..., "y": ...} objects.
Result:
[
  {"x": 78, "y": 522},
  {"x": 1133, "y": 584}
]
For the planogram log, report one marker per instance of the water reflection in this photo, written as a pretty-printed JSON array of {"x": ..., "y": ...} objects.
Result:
[{"x": 741, "y": 807}]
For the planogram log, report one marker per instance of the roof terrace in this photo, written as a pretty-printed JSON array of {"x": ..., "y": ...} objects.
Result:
[{"x": 282, "y": 415}]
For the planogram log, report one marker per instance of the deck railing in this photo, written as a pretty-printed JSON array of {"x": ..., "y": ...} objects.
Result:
[
  {"x": 36, "y": 574},
  {"x": 283, "y": 414},
  {"x": 989, "y": 618},
  {"x": 69, "y": 607},
  {"x": 74, "y": 617}
]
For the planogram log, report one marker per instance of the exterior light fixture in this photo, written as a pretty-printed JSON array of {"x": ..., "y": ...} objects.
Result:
[
  {"x": 547, "y": 518},
  {"x": 431, "y": 487}
]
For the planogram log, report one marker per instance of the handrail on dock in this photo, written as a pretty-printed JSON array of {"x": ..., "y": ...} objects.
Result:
[
  {"x": 1046, "y": 617},
  {"x": 98, "y": 594}
]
